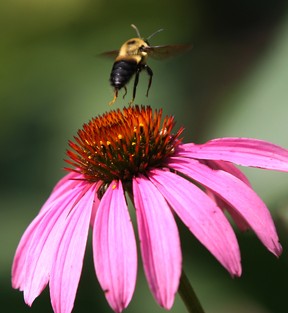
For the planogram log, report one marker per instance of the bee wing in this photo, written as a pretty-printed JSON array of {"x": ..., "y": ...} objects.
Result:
[
  {"x": 110, "y": 54},
  {"x": 164, "y": 52}
]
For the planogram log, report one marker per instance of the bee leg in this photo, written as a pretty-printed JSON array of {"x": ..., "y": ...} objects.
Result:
[
  {"x": 150, "y": 73},
  {"x": 125, "y": 92},
  {"x": 135, "y": 86},
  {"x": 115, "y": 97}
]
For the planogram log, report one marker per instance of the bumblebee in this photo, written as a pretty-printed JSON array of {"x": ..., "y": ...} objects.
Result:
[{"x": 131, "y": 60}]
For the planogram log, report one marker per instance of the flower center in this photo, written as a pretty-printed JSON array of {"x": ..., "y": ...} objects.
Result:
[{"x": 121, "y": 144}]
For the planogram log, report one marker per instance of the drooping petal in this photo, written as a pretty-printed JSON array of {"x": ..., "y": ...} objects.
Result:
[
  {"x": 230, "y": 168},
  {"x": 18, "y": 266},
  {"x": 68, "y": 259},
  {"x": 202, "y": 216},
  {"x": 240, "y": 196},
  {"x": 237, "y": 218},
  {"x": 242, "y": 151},
  {"x": 41, "y": 251},
  {"x": 45, "y": 239},
  {"x": 159, "y": 241},
  {"x": 114, "y": 248}
]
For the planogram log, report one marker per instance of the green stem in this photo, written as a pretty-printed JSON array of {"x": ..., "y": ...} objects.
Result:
[{"x": 188, "y": 295}]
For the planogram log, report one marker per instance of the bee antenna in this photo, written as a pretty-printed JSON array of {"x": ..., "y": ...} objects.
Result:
[
  {"x": 137, "y": 31},
  {"x": 157, "y": 31}
]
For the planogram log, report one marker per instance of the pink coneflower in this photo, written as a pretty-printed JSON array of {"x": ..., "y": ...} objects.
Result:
[{"x": 132, "y": 153}]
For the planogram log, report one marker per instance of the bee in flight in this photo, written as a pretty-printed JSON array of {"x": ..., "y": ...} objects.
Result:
[{"x": 131, "y": 59}]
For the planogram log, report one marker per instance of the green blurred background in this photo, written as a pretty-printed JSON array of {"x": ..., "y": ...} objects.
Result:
[{"x": 233, "y": 83}]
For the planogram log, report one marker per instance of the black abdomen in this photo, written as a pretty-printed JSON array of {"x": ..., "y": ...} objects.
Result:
[{"x": 122, "y": 72}]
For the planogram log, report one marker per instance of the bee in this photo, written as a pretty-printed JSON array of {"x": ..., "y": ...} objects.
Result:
[{"x": 131, "y": 60}]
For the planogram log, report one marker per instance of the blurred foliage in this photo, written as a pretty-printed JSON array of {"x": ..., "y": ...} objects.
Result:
[{"x": 233, "y": 83}]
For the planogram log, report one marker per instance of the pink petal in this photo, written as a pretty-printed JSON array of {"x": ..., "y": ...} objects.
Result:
[
  {"x": 159, "y": 241},
  {"x": 240, "y": 196},
  {"x": 242, "y": 151},
  {"x": 237, "y": 218},
  {"x": 41, "y": 251},
  {"x": 68, "y": 259},
  {"x": 18, "y": 267},
  {"x": 202, "y": 216},
  {"x": 114, "y": 248},
  {"x": 230, "y": 168}
]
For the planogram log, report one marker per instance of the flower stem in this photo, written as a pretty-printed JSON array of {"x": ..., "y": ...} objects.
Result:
[{"x": 188, "y": 295}]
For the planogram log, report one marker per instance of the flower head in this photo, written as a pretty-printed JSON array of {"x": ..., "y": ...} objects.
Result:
[{"x": 132, "y": 153}]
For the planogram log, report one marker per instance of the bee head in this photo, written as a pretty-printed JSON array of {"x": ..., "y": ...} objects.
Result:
[{"x": 134, "y": 47}]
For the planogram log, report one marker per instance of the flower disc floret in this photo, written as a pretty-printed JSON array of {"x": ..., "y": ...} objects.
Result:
[{"x": 121, "y": 144}]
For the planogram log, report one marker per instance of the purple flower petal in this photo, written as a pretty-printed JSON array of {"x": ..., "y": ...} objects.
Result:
[
  {"x": 240, "y": 196},
  {"x": 159, "y": 241},
  {"x": 230, "y": 168},
  {"x": 18, "y": 267},
  {"x": 40, "y": 254},
  {"x": 242, "y": 151},
  {"x": 68, "y": 260},
  {"x": 237, "y": 218},
  {"x": 114, "y": 248},
  {"x": 201, "y": 215}
]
